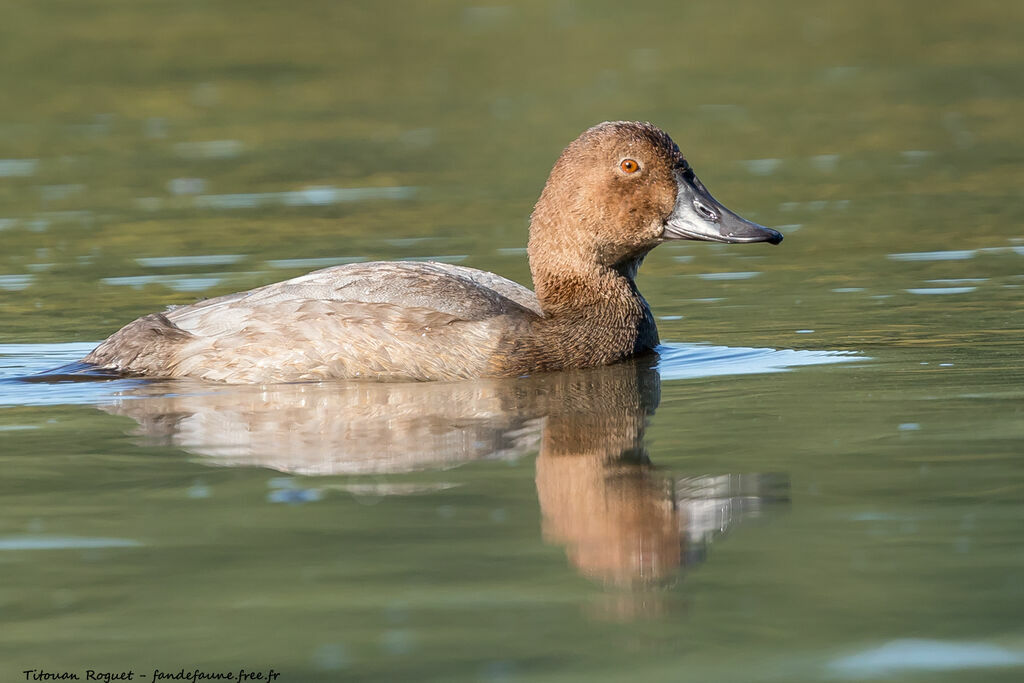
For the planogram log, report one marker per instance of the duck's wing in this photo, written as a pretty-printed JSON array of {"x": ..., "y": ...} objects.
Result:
[
  {"x": 463, "y": 293},
  {"x": 405, "y": 320}
]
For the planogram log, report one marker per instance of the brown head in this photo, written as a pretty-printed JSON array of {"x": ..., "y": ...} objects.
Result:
[{"x": 616, "y": 192}]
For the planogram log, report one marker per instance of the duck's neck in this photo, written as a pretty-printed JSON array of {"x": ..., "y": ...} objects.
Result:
[{"x": 593, "y": 314}]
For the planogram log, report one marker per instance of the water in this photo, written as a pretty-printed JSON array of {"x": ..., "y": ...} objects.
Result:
[{"x": 819, "y": 478}]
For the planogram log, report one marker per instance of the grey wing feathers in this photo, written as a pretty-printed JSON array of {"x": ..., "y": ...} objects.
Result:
[
  {"x": 413, "y": 320},
  {"x": 464, "y": 293}
]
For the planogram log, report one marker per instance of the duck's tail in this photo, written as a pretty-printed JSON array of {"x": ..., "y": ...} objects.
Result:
[{"x": 144, "y": 346}]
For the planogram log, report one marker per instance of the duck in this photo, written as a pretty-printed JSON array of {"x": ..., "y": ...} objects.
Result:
[{"x": 615, "y": 193}]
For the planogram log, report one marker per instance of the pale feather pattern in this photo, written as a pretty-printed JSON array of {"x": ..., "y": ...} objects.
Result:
[{"x": 387, "y": 320}]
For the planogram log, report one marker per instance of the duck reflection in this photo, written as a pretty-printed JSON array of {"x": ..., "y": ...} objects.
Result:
[{"x": 621, "y": 520}]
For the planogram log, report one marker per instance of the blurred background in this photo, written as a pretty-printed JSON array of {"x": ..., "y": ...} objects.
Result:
[{"x": 152, "y": 153}]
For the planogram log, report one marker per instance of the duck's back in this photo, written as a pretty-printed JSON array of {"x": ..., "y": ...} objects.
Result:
[{"x": 385, "y": 320}]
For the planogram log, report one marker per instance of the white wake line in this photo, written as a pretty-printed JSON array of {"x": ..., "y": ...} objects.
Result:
[{"x": 691, "y": 361}]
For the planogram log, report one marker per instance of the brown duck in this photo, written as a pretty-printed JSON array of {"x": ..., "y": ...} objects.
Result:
[{"x": 615, "y": 193}]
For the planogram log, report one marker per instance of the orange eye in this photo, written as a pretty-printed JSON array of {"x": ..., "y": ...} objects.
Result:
[{"x": 629, "y": 166}]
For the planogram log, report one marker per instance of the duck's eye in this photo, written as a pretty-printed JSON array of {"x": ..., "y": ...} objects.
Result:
[{"x": 629, "y": 166}]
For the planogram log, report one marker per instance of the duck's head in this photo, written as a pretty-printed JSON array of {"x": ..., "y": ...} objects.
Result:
[{"x": 619, "y": 190}]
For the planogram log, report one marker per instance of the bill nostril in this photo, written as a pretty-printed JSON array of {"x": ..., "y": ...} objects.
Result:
[{"x": 704, "y": 211}]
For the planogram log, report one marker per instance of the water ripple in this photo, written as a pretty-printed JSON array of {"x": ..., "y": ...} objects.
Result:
[
  {"x": 677, "y": 361},
  {"x": 690, "y": 361},
  {"x": 64, "y": 543},
  {"x": 742, "y": 275},
  {"x": 911, "y": 654},
  {"x": 951, "y": 255},
  {"x": 200, "y": 260},
  {"x": 955, "y": 254},
  {"x": 941, "y": 290}
]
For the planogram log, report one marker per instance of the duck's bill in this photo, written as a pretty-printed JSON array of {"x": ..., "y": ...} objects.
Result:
[{"x": 699, "y": 216}]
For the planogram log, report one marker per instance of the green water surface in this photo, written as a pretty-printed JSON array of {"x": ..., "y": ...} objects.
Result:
[{"x": 733, "y": 512}]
